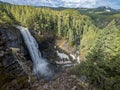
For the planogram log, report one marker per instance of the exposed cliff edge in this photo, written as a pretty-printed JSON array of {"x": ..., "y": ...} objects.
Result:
[{"x": 12, "y": 72}]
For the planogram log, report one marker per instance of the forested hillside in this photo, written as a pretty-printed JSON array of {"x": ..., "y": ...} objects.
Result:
[
  {"x": 97, "y": 37},
  {"x": 103, "y": 60},
  {"x": 69, "y": 24}
]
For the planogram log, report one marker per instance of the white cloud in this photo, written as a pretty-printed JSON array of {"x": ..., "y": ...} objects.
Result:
[
  {"x": 79, "y": 3},
  {"x": 90, "y": 3},
  {"x": 66, "y": 3}
]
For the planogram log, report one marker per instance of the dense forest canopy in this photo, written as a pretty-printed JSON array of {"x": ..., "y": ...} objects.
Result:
[
  {"x": 66, "y": 23},
  {"x": 97, "y": 37}
]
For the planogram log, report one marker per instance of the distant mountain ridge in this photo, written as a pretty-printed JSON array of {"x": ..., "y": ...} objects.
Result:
[
  {"x": 105, "y": 8},
  {"x": 101, "y": 9}
]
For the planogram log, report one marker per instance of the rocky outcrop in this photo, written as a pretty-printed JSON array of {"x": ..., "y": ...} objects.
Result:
[
  {"x": 16, "y": 66},
  {"x": 15, "y": 69},
  {"x": 72, "y": 52},
  {"x": 14, "y": 39},
  {"x": 64, "y": 81},
  {"x": 55, "y": 54}
]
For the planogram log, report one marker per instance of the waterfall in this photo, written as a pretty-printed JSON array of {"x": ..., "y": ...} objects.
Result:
[{"x": 41, "y": 66}]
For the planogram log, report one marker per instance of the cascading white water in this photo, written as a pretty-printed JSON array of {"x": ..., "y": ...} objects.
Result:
[{"x": 40, "y": 64}]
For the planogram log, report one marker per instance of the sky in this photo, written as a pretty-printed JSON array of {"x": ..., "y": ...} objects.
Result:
[{"x": 68, "y": 3}]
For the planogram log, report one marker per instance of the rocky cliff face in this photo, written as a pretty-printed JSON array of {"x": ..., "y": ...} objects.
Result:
[
  {"x": 16, "y": 65},
  {"x": 13, "y": 39},
  {"x": 15, "y": 69}
]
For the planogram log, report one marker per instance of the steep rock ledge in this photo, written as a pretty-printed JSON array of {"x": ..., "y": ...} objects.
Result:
[
  {"x": 15, "y": 69},
  {"x": 16, "y": 66}
]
